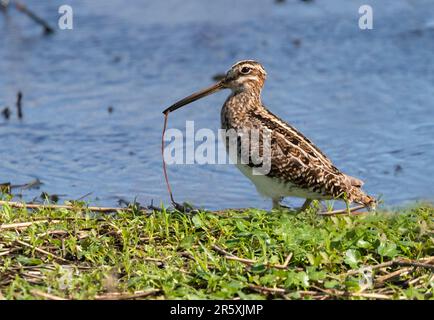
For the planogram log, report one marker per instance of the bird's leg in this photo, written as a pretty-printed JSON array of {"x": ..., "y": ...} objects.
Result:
[
  {"x": 276, "y": 203},
  {"x": 347, "y": 205},
  {"x": 184, "y": 208},
  {"x": 305, "y": 205}
]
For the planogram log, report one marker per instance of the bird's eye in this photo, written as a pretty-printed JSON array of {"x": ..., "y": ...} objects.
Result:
[{"x": 245, "y": 70}]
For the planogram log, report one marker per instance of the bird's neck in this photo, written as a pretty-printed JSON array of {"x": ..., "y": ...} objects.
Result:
[
  {"x": 244, "y": 100},
  {"x": 238, "y": 107}
]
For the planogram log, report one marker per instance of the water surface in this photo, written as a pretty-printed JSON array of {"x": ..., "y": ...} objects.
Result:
[{"x": 364, "y": 97}]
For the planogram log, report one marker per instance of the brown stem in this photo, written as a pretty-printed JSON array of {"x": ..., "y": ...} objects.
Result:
[{"x": 22, "y": 8}]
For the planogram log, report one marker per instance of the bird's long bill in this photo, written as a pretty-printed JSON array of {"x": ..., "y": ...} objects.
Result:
[{"x": 195, "y": 96}]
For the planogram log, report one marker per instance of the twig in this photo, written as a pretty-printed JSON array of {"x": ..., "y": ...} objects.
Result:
[
  {"x": 40, "y": 250},
  {"x": 380, "y": 280},
  {"x": 414, "y": 264},
  {"x": 21, "y": 7},
  {"x": 344, "y": 211},
  {"x": 187, "y": 255},
  {"x": 5, "y": 253},
  {"x": 53, "y": 206},
  {"x": 242, "y": 260},
  {"x": 19, "y": 225},
  {"x": 285, "y": 264},
  {"x": 423, "y": 263},
  {"x": 267, "y": 289},
  {"x": 32, "y": 206},
  {"x": 158, "y": 261},
  {"x": 45, "y": 295},
  {"x": 32, "y": 184},
  {"x": 371, "y": 295},
  {"x": 249, "y": 262},
  {"x": 82, "y": 197},
  {"x": 280, "y": 291},
  {"x": 221, "y": 251},
  {"x": 19, "y": 107},
  {"x": 414, "y": 281},
  {"x": 127, "y": 296}
]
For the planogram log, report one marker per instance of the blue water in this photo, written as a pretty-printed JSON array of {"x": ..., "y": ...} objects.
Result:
[{"x": 364, "y": 97}]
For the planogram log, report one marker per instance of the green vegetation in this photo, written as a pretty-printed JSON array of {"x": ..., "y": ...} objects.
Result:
[{"x": 76, "y": 254}]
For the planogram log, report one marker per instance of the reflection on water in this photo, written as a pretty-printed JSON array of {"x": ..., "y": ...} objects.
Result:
[{"x": 365, "y": 97}]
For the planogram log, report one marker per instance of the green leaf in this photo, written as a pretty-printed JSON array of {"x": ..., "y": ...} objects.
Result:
[
  {"x": 352, "y": 258},
  {"x": 331, "y": 284},
  {"x": 303, "y": 279},
  {"x": 29, "y": 261},
  {"x": 363, "y": 244},
  {"x": 274, "y": 259},
  {"x": 258, "y": 268},
  {"x": 387, "y": 250},
  {"x": 187, "y": 242},
  {"x": 197, "y": 221},
  {"x": 311, "y": 258},
  {"x": 240, "y": 225},
  {"x": 315, "y": 275}
]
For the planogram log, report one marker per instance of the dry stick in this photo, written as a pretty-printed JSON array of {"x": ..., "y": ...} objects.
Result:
[
  {"x": 70, "y": 207},
  {"x": 19, "y": 107},
  {"x": 416, "y": 280},
  {"x": 19, "y": 225},
  {"x": 21, "y": 7},
  {"x": 29, "y": 185},
  {"x": 127, "y": 296},
  {"x": 5, "y": 253},
  {"x": 231, "y": 256},
  {"x": 268, "y": 290},
  {"x": 380, "y": 280},
  {"x": 45, "y": 295},
  {"x": 40, "y": 250},
  {"x": 369, "y": 295},
  {"x": 321, "y": 291},
  {"x": 53, "y": 206},
  {"x": 338, "y": 293},
  {"x": 399, "y": 262},
  {"x": 286, "y": 263},
  {"x": 343, "y": 211}
]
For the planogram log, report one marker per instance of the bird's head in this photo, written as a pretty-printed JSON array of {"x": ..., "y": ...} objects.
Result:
[{"x": 245, "y": 75}]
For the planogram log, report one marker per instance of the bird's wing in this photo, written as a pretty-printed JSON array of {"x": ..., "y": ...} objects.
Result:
[
  {"x": 294, "y": 137},
  {"x": 292, "y": 164},
  {"x": 296, "y": 159}
]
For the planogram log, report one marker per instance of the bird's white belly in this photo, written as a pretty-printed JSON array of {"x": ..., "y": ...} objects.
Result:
[{"x": 275, "y": 188}]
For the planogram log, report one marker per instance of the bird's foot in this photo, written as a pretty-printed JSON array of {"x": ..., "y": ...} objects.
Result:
[
  {"x": 305, "y": 206},
  {"x": 184, "y": 207},
  {"x": 278, "y": 206}
]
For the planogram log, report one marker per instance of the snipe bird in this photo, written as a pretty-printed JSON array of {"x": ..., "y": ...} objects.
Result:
[{"x": 298, "y": 168}]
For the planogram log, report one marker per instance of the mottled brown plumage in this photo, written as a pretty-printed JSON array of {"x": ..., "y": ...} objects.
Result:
[{"x": 298, "y": 167}]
